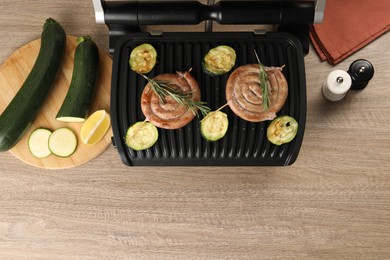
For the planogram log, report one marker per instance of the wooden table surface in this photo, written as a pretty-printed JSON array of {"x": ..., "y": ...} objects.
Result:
[{"x": 332, "y": 203}]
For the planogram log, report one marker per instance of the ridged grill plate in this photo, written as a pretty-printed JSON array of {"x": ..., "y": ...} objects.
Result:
[{"x": 245, "y": 143}]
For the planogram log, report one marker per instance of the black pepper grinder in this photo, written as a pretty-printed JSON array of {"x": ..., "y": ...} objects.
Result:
[{"x": 361, "y": 72}]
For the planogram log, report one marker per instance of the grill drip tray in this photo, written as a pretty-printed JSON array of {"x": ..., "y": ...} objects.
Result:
[{"x": 245, "y": 143}]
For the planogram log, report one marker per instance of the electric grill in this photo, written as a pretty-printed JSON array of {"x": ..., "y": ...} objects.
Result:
[{"x": 245, "y": 143}]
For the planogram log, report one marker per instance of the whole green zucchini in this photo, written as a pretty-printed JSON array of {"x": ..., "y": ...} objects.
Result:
[
  {"x": 76, "y": 105},
  {"x": 22, "y": 110}
]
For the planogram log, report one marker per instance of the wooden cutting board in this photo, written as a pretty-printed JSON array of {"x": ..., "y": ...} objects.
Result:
[{"x": 14, "y": 71}]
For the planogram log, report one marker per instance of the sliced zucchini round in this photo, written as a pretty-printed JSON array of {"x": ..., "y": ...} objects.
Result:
[
  {"x": 63, "y": 142},
  {"x": 282, "y": 129},
  {"x": 38, "y": 143},
  {"x": 214, "y": 126},
  {"x": 219, "y": 60},
  {"x": 141, "y": 136},
  {"x": 143, "y": 58}
]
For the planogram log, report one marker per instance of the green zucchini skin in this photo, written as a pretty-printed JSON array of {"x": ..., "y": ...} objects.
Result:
[
  {"x": 85, "y": 70},
  {"x": 24, "y": 107}
]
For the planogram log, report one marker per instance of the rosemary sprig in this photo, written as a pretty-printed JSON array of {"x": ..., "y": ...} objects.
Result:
[
  {"x": 163, "y": 90},
  {"x": 263, "y": 83}
]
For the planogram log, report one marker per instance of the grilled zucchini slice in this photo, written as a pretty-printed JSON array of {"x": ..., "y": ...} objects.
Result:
[
  {"x": 141, "y": 136},
  {"x": 282, "y": 129},
  {"x": 219, "y": 60},
  {"x": 214, "y": 126},
  {"x": 143, "y": 58}
]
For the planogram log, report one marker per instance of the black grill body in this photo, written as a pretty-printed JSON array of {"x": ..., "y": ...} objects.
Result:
[{"x": 245, "y": 143}]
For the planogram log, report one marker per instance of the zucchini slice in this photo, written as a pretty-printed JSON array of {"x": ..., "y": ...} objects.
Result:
[
  {"x": 38, "y": 143},
  {"x": 76, "y": 105},
  {"x": 141, "y": 136},
  {"x": 214, "y": 126},
  {"x": 282, "y": 129},
  {"x": 219, "y": 60},
  {"x": 143, "y": 58},
  {"x": 63, "y": 142}
]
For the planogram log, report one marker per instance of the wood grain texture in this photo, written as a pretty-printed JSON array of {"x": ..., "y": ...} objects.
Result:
[
  {"x": 13, "y": 73},
  {"x": 332, "y": 203}
]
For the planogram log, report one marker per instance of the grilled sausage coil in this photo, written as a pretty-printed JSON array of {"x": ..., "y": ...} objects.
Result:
[
  {"x": 170, "y": 114},
  {"x": 244, "y": 93}
]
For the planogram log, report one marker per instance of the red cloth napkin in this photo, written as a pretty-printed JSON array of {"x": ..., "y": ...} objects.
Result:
[{"x": 348, "y": 26}]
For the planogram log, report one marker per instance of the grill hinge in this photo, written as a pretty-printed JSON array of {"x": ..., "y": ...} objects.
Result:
[
  {"x": 259, "y": 32},
  {"x": 156, "y": 33}
]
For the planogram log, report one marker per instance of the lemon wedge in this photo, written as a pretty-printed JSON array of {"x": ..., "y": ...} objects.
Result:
[{"x": 95, "y": 127}]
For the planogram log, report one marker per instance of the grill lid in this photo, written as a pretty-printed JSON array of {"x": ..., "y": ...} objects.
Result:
[
  {"x": 245, "y": 142},
  {"x": 124, "y": 17}
]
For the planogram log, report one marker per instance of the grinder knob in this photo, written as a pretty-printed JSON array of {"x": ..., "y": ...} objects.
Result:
[{"x": 361, "y": 72}]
